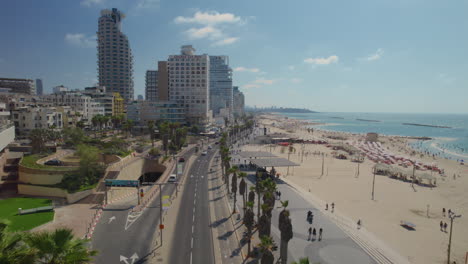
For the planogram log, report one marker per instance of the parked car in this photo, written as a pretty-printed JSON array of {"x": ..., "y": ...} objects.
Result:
[
  {"x": 172, "y": 178},
  {"x": 53, "y": 162},
  {"x": 181, "y": 159},
  {"x": 210, "y": 147},
  {"x": 204, "y": 153}
]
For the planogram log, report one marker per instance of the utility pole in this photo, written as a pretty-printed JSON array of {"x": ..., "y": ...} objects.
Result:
[
  {"x": 373, "y": 185},
  {"x": 453, "y": 216},
  {"x": 138, "y": 193},
  {"x": 414, "y": 169},
  {"x": 160, "y": 211},
  {"x": 323, "y": 162}
]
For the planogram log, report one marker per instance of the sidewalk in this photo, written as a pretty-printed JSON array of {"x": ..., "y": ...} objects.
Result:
[{"x": 225, "y": 226}]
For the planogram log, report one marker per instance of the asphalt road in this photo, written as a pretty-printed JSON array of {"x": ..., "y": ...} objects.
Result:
[
  {"x": 118, "y": 237},
  {"x": 193, "y": 241}
]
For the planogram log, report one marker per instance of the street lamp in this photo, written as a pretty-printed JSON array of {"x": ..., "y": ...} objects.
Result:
[{"x": 452, "y": 216}]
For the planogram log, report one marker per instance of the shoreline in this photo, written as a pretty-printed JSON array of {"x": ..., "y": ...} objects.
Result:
[{"x": 319, "y": 125}]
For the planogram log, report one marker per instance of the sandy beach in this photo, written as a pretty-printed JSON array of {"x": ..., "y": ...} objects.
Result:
[{"x": 395, "y": 200}]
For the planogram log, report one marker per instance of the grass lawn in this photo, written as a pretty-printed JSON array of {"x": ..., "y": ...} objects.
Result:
[
  {"x": 30, "y": 162},
  {"x": 9, "y": 210}
]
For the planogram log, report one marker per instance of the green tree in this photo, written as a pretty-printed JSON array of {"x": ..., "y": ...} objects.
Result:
[
  {"x": 39, "y": 137},
  {"x": 128, "y": 126},
  {"x": 13, "y": 250},
  {"x": 164, "y": 134},
  {"x": 73, "y": 136},
  {"x": 264, "y": 222},
  {"x": 90, "y": 168},
  {"x": 151, "y": 131},
  {"x": 249, "y": 224},
  {"x": 285, "y": 228},
  {"x": 234, "y": 171},
  {"x": 302, "y": 261},
  {"x": 243, "y": 187},
  {"x": 266, "y": 245},
  {"x": 60, "y": 247}
]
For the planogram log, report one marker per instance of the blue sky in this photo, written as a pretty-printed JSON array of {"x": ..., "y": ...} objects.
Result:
[{"x": 326, "y": 55}]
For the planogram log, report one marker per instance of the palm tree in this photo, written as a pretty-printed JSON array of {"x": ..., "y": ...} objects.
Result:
[
  {"x": 302, "y": 261},
  {"x": 291, "y": 150},
  {"x": 285, "y": 228},
  {"x": 266, "y": 246},
  {"x": 59, "y": 247},
  {"x": 164, "y": 133},
  {"x": 264, "y": 223},
  {"x": 234, "y": 171},
  {"x": 252, "y": 195},
  {"x": 243, "y": 187},
  {"x": 95, "y": 123},
  {"x": 249, "y": 224},
  {"x": 259, "y": 189},
  {"x": 12, "y": 247},
  {"x": 227, "y": 166},
  {"x": 151, "y": 131}
]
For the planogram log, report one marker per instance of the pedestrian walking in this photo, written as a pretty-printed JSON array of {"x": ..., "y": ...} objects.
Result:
[
  {"x": 314, "y": 234},
  {"x": 449, "y": 212},
  {"x": 309, "y": 214},
  {"x": 359, "y": 224},
  {"x": 279, "y": 194},
  {"x": 445, "y": 227},
  {"x": 333, "y": 207},
  {"x": 443, "y": 212},
  {"x": 320, "y": 234},
  {"x": 326, "y": 207},
  {"x": 310, "y": 233},
  {"x": 441, "y": 225}
]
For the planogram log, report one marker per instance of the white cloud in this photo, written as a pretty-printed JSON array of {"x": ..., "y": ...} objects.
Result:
[
  {"x": 264, "y": 81},
  {"x": 91, "y": 2},
  {"x": 322, "y": 61},
  {"x": 296, "y": 80},
  {"x": 250, "y": 85},
  {"x": 291, "y": 67},
  {"x": 259, "y": 83},
  {"x": 377, "y": 55},
  {"x": 204, "y": 32},
  {"x": 214, "y": 25},
  {"x": 81, "y": 40},
  {"x": 445, "y": 78},
  {"x": 225, "y": 41},
  {"x": 146, "y": 4},
  {"x": 243, "y": 69},
  {"x": 209, "y": 18}
]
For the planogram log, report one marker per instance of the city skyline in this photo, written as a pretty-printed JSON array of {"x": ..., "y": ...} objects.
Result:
[{"x": 348, "y": 57}]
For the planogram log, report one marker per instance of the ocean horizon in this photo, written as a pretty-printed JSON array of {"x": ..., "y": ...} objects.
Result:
[{"x": 448, "y": 132}]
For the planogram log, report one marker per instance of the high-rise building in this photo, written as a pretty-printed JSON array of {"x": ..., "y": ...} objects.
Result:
[
  {"x": 220, "y": 85},
  {"x": 115, "y": 59},
  {"x": 189, "y": 84},
  {"x": 39, "y": 89},
  {"x": 151, "y": 85},
  {"x": 163, "y": 81},
  {"x": 60, "y": 89},
  {"x": 25, "y": 86},
  {"x": 239, "y": 101}
]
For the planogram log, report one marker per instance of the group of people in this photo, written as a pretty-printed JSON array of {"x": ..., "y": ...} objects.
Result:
[
  {"x": 443, "y": 225},
  {"x": 312, "y": 231},
  {"x": 278, "y": 195},
  {"x": 332, "y": 207}
]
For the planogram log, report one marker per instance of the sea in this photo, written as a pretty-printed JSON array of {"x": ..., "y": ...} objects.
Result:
[{"x": 450, "y": 142}]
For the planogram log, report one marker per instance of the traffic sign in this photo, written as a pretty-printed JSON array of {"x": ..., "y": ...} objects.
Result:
[{"x": 122, "y": 183}]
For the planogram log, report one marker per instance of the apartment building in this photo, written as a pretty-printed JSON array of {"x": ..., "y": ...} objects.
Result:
[{"x": 24, "y": 86}]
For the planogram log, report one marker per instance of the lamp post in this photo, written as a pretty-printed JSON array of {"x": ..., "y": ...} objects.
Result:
[
  {"x": 373, "y": 184},
  {"x": 452, "y": 216}
]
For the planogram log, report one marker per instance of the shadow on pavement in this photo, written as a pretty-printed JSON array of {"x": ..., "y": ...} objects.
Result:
[{"x": 219, "y": 222}]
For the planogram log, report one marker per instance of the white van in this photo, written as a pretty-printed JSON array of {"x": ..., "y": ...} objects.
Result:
[{"x": 172, "y": 178}]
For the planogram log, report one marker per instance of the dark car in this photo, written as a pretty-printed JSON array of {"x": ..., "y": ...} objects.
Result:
[
  {"x": 216, "y": 143},
  {"x": 53, "y": 162},
  {"x": 181, "y": 159}
]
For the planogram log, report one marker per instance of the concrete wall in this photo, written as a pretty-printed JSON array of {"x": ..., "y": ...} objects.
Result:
[
  {"x": 34, "y": 190},
  {"x": 40, "y": 176},
  {"x": 6, "y": 137},
  {"x": 41, "y": 191}
]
